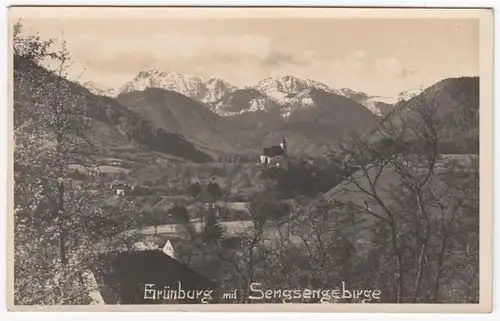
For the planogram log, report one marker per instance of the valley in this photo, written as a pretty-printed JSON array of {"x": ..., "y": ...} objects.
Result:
[
  {"x": 277, "y": 182},
  {"x": 233, "y": 128}
]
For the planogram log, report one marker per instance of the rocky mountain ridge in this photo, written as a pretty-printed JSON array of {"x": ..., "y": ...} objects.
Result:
[{"x": 266, "y": 94}]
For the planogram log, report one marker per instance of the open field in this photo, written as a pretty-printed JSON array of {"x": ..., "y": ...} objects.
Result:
[{"x": 102, "y": 169}]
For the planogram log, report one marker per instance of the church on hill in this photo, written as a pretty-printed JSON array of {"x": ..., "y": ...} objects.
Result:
[{"x": 275, "y": 156}]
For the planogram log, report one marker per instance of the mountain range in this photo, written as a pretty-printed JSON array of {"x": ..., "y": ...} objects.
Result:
[
  {"x": 311, "y": 117},
  {"x": 206, "y": 90},
  {"x": 199, "y": 119},
  {"x": 264, "y": 95}
]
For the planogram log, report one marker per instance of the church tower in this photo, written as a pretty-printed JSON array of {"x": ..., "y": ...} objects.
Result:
[{"x": 283, "y": 145}]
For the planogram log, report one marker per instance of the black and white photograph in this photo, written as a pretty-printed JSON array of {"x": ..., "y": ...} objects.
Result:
[{"x": 250, "y": 156}]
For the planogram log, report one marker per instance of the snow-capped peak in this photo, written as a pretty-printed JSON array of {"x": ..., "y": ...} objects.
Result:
[
  {"x": 288, "y": 84},
  {"x": 349, "y": 93},
  {"x": 196, "y": 87},
  {"x": 301, "y": 100},
  {"x": 408, "y": 94},
  {"x": 99, "y": 89}
]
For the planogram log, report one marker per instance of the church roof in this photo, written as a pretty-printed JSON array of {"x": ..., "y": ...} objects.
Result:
[{"x": 273, "y": 151}]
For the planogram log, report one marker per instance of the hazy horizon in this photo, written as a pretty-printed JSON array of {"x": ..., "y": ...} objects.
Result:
[{"x": 378, "y": 56}]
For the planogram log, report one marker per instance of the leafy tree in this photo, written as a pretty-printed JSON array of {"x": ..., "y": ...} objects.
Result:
[
  {"x": 212, "y": 231},
  {"x": 243, "y": 264},
  {"x": 214, "y": 190},
  {"x": 194, "y": 189},
  {"x": 58, "y": 221},
  {"x": 31, "y": 47},
  {"x": 180, "y": 214}
]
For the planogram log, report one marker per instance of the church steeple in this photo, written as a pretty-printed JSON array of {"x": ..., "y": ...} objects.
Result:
[{"x": 283, "y": 145}]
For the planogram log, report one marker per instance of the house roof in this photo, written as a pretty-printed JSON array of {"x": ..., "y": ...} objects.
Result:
[
  {"x": 273, "y": 151},
  {"x": 130, "y": 271}
]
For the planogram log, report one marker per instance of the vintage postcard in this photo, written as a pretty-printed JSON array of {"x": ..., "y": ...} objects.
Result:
[{"x": 251, "y": 159}]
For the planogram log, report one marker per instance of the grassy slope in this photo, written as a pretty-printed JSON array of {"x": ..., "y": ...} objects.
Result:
[
  {"x": 347, "y": 192},
  {"x": 115, "y": 127}
]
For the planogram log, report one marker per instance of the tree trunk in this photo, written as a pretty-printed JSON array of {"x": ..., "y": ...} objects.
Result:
[
  {"x": 439, "y": 268},
  {"x": 423, "y": 248},
  {"x": 399, "y": 267},
  {"x": 62, "y": 230},
  {"x": 418, "y": 279}
]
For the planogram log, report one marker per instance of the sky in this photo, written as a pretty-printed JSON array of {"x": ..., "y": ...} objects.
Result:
[{"x": 377, "y": 56}]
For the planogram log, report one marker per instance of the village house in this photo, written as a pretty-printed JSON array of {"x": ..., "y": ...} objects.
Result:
[
  {"x": 169, "y": 250},
  {"x": 126, "y": 275},
  {"x": 275, "y": 156},
  {"x": 116, "y": 163},
  {"x": 121, "y": 188}
]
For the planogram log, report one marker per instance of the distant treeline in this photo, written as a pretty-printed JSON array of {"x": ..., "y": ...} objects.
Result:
[{"x": 237, "y": 158}]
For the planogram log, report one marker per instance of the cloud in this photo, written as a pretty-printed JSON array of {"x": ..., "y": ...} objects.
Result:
[
  {"x": 277, "y": 58},
  {"x": 240, "y": 59},
  {"x": 353, "y": 62},
  {"x": 245, "y": 51},
  {"x": 392, "y": 67},
  {"x": 361, "y": 70},
  {"x": 388, "y": 65},
  {"x": 127, "y": 53},
  {"x": 405, "y": 73},
  {"x": 359, "y": 54}
]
